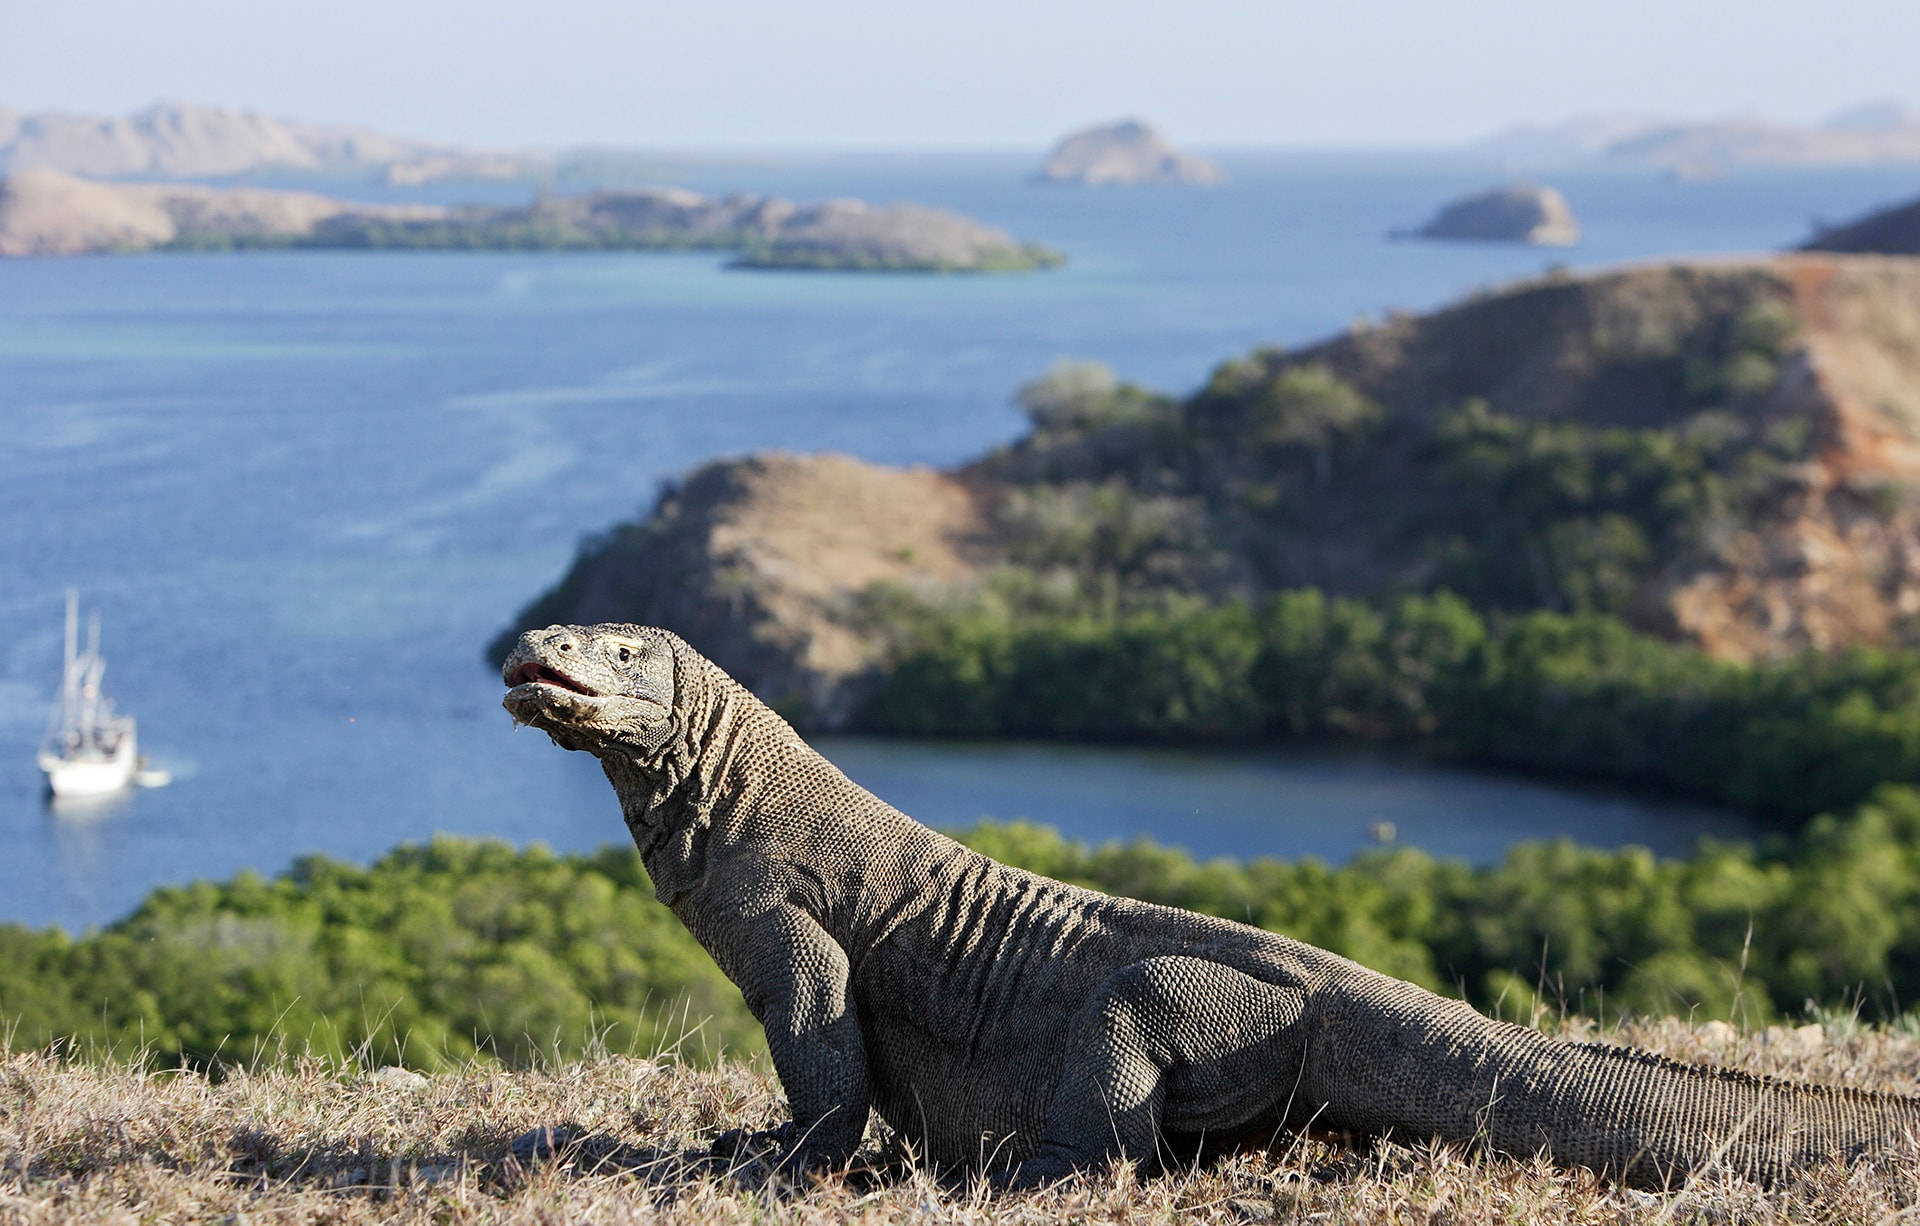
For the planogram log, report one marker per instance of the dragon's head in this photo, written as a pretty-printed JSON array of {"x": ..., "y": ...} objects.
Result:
[{"x": 610, "y": 690}]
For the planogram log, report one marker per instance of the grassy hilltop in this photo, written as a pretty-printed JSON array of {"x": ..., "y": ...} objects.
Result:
[{"x": 300, "y": 1143}]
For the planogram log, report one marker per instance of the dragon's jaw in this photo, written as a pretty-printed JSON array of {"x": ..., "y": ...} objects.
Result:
[
  {"x": 544, "y": 697},
  {"x": 555, "y": 709},
  {"x": 535, "y": 673},
  {"x": 549, "y": 693},
  {"x": 595, "y": 688}
]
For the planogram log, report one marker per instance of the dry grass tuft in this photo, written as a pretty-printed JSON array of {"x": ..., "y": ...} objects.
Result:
[{"x": 303, "y": 1143}]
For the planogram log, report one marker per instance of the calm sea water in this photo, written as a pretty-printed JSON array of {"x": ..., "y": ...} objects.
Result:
[{"x": 305, "y": 489}]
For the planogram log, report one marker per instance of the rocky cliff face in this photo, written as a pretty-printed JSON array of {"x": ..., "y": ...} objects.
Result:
[
  {"x": 1839, "y": 561},
  {"x": 1787, "y": 389}
]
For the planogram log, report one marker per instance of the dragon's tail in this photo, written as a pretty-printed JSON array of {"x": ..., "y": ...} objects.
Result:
[{"x": 1387, "y": 1058}]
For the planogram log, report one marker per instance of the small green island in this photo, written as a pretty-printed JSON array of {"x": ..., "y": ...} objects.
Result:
[{"x": 43, "y": 213}]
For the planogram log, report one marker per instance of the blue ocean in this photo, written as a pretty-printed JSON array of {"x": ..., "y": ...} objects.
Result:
[{"x": 304, "y": 489}]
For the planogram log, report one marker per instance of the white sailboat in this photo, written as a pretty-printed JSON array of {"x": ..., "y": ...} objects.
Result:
[{"x": 89, "y": 750}]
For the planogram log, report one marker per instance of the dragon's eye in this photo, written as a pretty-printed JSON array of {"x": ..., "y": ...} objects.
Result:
[{"x": 625, "y": 655}]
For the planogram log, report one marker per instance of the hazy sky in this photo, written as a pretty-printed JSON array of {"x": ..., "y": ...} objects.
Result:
[{"x": 867, "y": 73}]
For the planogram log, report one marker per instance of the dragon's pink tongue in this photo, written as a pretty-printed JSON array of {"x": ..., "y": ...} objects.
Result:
[{"x": 532, "y": 672}]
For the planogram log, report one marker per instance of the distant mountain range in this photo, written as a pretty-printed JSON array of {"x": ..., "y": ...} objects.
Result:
[
  {"x": 186, "y": 140},
  {"x": 189, "y": 140},
  {"x": 1876, "y": 132}
]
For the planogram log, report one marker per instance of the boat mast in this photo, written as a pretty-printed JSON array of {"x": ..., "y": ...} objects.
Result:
[
  {"x": 70, "y": 678},
  {"x": 95, "y": 674}
]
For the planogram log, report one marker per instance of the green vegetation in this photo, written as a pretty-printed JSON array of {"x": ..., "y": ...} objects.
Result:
[
  {"x": 433, "y": 955},
  {"x": 1584, "y": 512},
  {"x": 1830, "y": 918},
  {"x": 1304, "y": 408},
  {"x": 441, "y": 953},
  {"x": 1237, "y": 489},
  {"x": 1561, "y": 515},
  {"x": 1747, "y": 362},
  {"x": 1579, "y": 695},
  {"x": 607, "y": 222},
  {"x": 474, "y": 229},
  {"x": 532, "y": 229},
  {"x": 1025, "y": 257}
]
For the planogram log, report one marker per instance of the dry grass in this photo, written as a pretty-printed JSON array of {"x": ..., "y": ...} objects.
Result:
[{"x": 87, "y": 1142}]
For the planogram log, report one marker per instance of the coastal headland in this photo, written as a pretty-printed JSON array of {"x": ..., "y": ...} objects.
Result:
[
  {"x": 1788, "y": 383},
  {"x": 1656, "y": 525}
]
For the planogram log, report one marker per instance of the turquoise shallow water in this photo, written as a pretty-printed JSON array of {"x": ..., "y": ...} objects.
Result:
[{"x": 305, "y": 488}]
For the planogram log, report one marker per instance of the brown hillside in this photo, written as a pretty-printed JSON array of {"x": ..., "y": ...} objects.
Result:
[
  {"x": 759, "y": 562},
  {"x": 1831, "y": 560},
  {"x": 1802, "y": 371}
]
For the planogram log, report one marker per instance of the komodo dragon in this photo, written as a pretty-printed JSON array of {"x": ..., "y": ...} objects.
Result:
[{"x": 1008, "y": 1023}]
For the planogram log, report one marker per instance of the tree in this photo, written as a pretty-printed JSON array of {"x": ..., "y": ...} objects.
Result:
[{"x": 1307, "y": 407}]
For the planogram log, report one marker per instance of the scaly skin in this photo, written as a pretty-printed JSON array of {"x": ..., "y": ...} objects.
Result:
[{"x": 1006, "y": 1022}]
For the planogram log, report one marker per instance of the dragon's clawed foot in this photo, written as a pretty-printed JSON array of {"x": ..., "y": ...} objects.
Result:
[
  {"x": 1042, "y": 1170},
  {"x": 778, "y": 1154}
]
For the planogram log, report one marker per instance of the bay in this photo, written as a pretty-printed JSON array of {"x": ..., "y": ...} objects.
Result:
[{"x": 304, "y": 489}]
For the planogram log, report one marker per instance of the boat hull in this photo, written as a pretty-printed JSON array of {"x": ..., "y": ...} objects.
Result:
[
  {"x": 94, "y": 774},
  {"x": 87, "y": 778}
]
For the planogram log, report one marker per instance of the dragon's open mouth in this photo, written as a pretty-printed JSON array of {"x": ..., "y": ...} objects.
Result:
[{"x": 531, "y": 672}]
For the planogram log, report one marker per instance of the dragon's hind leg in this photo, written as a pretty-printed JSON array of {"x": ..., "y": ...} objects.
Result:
[{"x": 1167, "y": 1045}]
